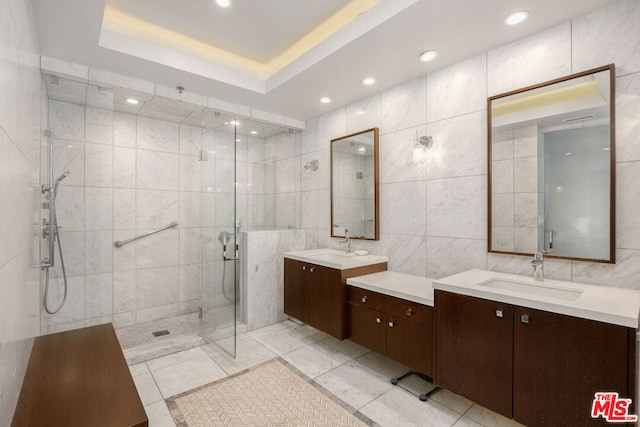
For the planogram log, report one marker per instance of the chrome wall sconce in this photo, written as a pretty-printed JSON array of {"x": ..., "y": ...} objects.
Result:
[{"x": 420, "y": 147}]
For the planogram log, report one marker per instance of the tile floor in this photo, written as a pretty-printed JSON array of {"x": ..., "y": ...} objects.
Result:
[{"x": 354, "y": 374}]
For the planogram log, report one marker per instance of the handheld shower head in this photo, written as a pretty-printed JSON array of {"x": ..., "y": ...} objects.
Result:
[{"x": 60, "y": 178}]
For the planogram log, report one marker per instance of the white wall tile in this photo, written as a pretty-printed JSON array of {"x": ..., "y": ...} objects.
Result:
[
  {"x": 98, "y": 208},
  {"x": 190, "y": 173},
  {"x": 155, "y": 208},
  {"x": 66, "y": 121},
  {"x": 158, "y": 250},
  {"x": 190, "y": 140},
  {"x": 609, "y": 35},
  {"x": 535, "y": 59},
  {"x": 156, "y": 287},
  {"x": 627, "y": 205},
  {"x": 446, "y": 255},
  {"x": 124, "y": 209},
  {"x": 627, "y": 113},
  {"x": 68, "y": 155},
  {"x": 404, "y": 207},
  {"x": 98, "y": 125},
  {"x": 156, "y": 170},
  {"x": 459, "y": 146},
  {"x": 98, "y": 160},
  {"x": 157, "y": 135},
  {"x": 396, "y": 156},
  {"x": 363, "y": 114},
  {"x": 124, "y": 167},
  {"x": 458, "y": 89},
  {"x": 124, "y": 130},
  {"x": 98, "y": 295},
  {"x": 407, "y": 254},
  {"x": 404, "y": 106},
  {"x": 457, "y": 207},
  {"x": 98, "y": 256}
]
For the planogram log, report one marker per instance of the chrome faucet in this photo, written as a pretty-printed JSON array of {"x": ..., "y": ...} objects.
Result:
[
  {"x": 538, "y": 267},
  {"x": 346, "y": 240}
]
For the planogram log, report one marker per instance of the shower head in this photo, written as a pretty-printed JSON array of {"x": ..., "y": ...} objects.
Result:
[
  {"x": 60, "y": 178},
  {"x": 224, "y": 237}
]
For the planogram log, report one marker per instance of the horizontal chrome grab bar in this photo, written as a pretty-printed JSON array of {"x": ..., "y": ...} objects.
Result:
[{"x": 121, "y": 243}]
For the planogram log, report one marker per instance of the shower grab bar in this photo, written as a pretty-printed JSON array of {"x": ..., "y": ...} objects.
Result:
[{"x": 121, "y": 243}]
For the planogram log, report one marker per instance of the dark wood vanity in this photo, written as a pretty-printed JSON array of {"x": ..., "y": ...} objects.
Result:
[
  {"x": 316, "y": 295},
  {"x": 401, "y": 330},
  {"x": 537, "y": 367}
]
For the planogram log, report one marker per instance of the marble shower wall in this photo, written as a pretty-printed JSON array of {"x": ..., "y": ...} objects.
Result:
[
  {"x": 20, "y": 105},
  {"x": 434, "y": 214},
  {"x": 262, "y": 276},
  {"x": 130, "y": 175}
]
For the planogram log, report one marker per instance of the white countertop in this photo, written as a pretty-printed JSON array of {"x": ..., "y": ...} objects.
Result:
[
  {"x": 607, "y": 304},
  {"x": 335, "y": 259},
  {"x": 410, "y": 288}
]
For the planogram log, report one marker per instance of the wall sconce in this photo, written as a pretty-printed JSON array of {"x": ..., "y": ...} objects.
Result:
[
  {"x": 312, "y": 164},
  {"x": 420, "y": 147}
]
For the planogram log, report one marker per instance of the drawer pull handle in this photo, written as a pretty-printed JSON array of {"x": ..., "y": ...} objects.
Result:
[
  {"x": 391, "y": 324},
  {"x": 364, "y": 299},
  {"x": 524, "y": 318},
  {"x": 378, "y": 320},
  {"x": 304, "y": 268},
  {"x": 409, "y": 312},
  {"x": 499, "y": 313},
  {"x": 312, "y": 269}
]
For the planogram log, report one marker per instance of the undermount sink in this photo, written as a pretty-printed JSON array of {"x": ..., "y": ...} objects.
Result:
[{"x": 540, "y": 289}]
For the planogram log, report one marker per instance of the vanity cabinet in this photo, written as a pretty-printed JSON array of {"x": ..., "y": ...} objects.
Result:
[
  {"x": 400, "y": 329},
  {"x": 315, "y": 294},
  {"x": 537, "y": 367}
]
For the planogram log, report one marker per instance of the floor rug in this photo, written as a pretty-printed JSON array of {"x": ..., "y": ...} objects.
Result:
[{"x": 272, "y": 394}]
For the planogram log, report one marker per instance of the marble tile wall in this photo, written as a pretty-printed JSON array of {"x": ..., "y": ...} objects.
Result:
[
  {"x": 262, "y": 274},
  {"x": 434, "y": 214},
  {"x": 130, "y": 175},
  {"x": 20, "y": 105}
]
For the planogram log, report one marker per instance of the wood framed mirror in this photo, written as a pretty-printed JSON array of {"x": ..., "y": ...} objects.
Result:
[
  {"x": 355, "y": 206},
  {"x": 551, "y": 163}
]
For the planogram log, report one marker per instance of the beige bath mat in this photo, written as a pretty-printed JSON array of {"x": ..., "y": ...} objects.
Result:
[{"x": 272, "y": 394}]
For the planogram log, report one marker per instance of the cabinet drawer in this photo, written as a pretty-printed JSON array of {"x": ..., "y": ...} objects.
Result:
[
  {"x": 409, "y": 310},
  {"x": 365, "y": 298}
]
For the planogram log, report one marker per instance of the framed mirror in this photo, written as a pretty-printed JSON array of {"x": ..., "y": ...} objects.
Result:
[
  {"x": 551, "y": 163},
  {"x": 354, "y": 186}
]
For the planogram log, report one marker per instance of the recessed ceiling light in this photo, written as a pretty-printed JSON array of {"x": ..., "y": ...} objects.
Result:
[
  {"x": 132, "y": 101},
  {"x": 362, "y": 150},
  {"x": 368, "y": 81},
  {"x": 606, "y": 149},
  {"x": 568, "y": 154},
  {"x": 428, "y": 55},
  {"x": 233, "y": 122},
  {"x": 325, "y": 100},
  {"x": 238, "y": 140},
  {"x": 223, "y": 3},
  {"x": 254, "y": 132},
  {"x": 516, "y": 17}
]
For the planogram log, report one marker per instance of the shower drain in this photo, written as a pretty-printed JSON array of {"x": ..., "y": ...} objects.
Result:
[{"x": 160, "y": 333}]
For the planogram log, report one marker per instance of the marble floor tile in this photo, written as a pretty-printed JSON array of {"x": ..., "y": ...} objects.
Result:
[
  {"x": 159, "y": 415},
  {"x": 486, "y": 417},
  {"x": 316, "y": 359},
  {"x": 285, "y": 326},
  {"x": 174, "y": 359},
  {"x": 249, "y": 353},
  {"x": 289, "y": 340},
  {"x": 452, "y": 401},
  {"x": 354, "y": 384},
  {"x": 147, "y": 388},
  {"x": 381, "y": 366},
  {"x": 397, "y": 407},
  {"x": 346, "y": 347},
  {"x": 138, "y": 369},
  {"x": 466, "y": 422},
  {"x": 188, "y": 374}
]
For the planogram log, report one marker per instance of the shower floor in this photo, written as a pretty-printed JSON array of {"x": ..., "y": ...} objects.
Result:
[{"x": 186, "y": 331}]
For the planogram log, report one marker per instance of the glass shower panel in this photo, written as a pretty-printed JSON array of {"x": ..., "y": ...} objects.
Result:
[
  {"x": 219, "y": 236},
  {"x": 577, "y": 197}
]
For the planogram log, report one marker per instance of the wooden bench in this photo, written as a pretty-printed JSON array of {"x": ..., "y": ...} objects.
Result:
[{"x": 79, "y": 378}]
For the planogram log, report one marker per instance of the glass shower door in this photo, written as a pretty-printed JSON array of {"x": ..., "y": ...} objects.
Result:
[{"x": 219, "y": 271}]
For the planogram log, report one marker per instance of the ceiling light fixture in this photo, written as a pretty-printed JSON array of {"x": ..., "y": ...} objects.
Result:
[
  {"x": 516, "y": 17},
  {"x": 362, "y": 150},
  {"x": 325, "y": 100},
  {"x": 368, "y": 81},
  {"x": 254, "y": 132},
  {"x": 428, "y": 55},
  {"x": 233, "y": 122},
  {"x": 223, "y": 3},
  {"x": 132, "y": 101}
]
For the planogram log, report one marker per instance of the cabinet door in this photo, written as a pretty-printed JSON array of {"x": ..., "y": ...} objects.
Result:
[
  {"x": 400, "y": 340},
  {"x": 474, "y": 347},
  {"x": 326, "y": 300},
  {"x": 423, "y": 350},
  {"x": 560, "y": 362},
  {"x": 296, "y": 289},
  {"x": 367, "y": 328}
]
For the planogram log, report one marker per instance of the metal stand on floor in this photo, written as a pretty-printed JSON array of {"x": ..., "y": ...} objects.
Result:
[{"x": 422, "y": 396}]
